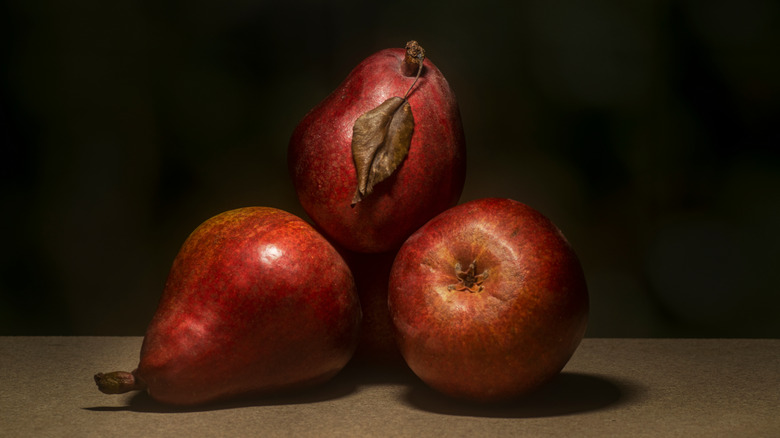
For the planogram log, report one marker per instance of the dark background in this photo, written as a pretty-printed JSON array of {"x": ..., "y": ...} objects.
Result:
[{"x": 647, "y": 130}]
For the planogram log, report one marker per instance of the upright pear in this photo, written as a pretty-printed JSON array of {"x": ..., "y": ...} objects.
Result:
[{"x": 382, "y": 154}]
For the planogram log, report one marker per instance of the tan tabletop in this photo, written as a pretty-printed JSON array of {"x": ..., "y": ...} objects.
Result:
[{"x": 611, "y": 387}]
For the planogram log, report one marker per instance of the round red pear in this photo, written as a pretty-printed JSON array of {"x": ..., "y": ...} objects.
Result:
[
  {"x": 256, "y": 302},
  {"x": 488, "y": 300},
  {"x": 428, "y": 180}
]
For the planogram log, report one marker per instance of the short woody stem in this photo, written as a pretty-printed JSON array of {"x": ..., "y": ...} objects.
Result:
[
  {"x": 412, "y": 63},
  {"x": 118, "y": 382}
]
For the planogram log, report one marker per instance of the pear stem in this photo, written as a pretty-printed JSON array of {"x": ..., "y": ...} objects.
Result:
[
  {"x": 414, "y": 57},
  {"x": 119, "y": 382},
  {"x": 412, "y": 64},
  {"x": 419, "y": 70}
]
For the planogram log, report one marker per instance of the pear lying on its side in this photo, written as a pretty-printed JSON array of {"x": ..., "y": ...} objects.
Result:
[{"x": 256, "y": 302}]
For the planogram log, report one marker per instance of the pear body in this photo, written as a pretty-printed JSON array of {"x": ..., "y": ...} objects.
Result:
[
  {"x": 256, "y": 302},
  {"x": 429, "y": 180}
]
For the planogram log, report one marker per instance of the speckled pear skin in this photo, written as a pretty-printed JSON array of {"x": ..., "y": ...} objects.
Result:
[
  {"x": 488, "y": 300},
  {"x": 429, "y": 180},
  {"x": 256, "y": 302}
]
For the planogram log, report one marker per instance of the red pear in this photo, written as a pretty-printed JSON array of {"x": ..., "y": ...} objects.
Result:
[
  {"x": 256, "y": 302},
  {"x": 376, "y": 346},
  {"x": 382, "y": 154},
  {"x": 488, "y": 300}
]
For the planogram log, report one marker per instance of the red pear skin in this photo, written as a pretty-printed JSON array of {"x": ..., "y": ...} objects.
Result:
[
  {"x": 488, "y": 301},
  {"x": 256, "y": 302},
  {"x": 428, "y": 181},
  {"x": 377, "y": 346}
]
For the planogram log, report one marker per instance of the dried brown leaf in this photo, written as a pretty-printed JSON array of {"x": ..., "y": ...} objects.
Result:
[{"x": 380, "y": 141}]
